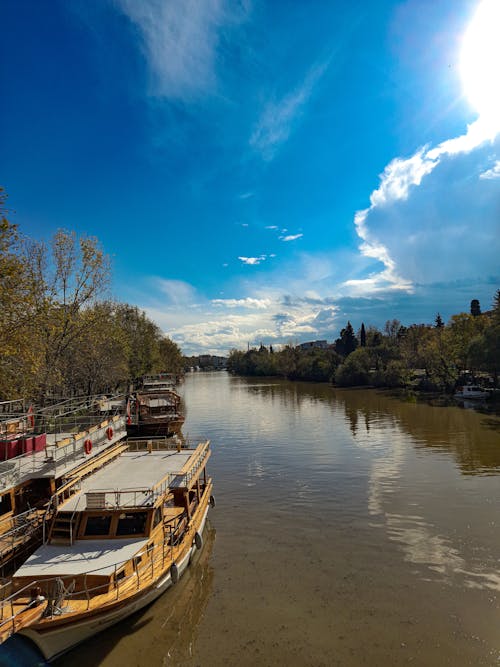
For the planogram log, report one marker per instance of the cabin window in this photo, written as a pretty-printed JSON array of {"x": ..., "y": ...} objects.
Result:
[
  {"x": 98, "y": 525},
  {"x": 5, "y": 504},
  {"x": 120, "y": 575},
  {"x": 132, "y": 524},
  {"x": 157, "y": 517}
]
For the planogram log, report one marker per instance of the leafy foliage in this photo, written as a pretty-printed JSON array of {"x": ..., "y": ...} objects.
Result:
[
  {"x": 422, "y": 356},
  {"x": 59, "y": 336}
]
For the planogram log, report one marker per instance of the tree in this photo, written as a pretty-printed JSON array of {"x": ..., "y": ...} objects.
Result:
[
  {"x": 373, "y": 337},
  {"x": 463, "y": 328},
  {"x": 496, "y": 306},
  {"x": 64, "y": 280},
  {"x": 362, "y": 335},
  {"x": 17, "y": 350},
  {"x": 170, "y": 356},
  {"x": 142, "y": 337},
  {"x": 355, "y": 370},
  {"x": 439, "y": 321},
  {"x": 347, "y": 342},
  {"x": 392, "y": 328},
  {"x": 96, "y": 361},
  {"x": 475, "y": 308}
]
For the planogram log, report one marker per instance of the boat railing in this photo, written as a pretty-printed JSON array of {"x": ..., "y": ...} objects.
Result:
[
  {"x": 74, "y": 446},
  {"x": 158, "y": 443},
  {"x": 183, "y": 479},
  {"x": 62, "y": 453},
  {"x": 23, "y": 528},
  {"x": 126, "y": 498}
]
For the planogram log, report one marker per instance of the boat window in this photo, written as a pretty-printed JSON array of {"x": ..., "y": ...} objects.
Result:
[
  {"x": 157, "y": 517},
  {"x": 132, "y": 524},
  {"x": 5, "y": 504},
  {"x": 98, "y": 525}
]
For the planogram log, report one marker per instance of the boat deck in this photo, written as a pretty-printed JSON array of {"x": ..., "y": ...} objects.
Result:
[
  {"x": 63, "y": 452},
  {"x": 130, "y": 476}
]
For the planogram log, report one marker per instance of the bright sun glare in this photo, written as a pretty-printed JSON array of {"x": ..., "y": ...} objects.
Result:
[{"x": 480, "y": 60}]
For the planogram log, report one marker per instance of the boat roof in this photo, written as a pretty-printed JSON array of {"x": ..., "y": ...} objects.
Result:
[
  {"x": 52, "y": 560},
  {"x": 128, "y": 475}
]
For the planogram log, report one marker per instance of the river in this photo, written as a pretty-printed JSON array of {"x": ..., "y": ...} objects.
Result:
[{"x": 351, "y": 528}]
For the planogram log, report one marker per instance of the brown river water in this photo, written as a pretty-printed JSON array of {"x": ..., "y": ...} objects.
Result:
[{"x": 351, "y": 528}]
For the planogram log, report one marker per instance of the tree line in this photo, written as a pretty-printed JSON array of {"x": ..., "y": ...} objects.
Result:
[
  {"x": 432, "y": 357},
  {"x": 59, "y": 334}
]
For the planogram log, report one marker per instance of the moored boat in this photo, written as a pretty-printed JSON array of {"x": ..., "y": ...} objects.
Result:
[
  {"x": 39, "y": 449},
  {"x": 121, "y": 536},
  {"x": 156, "y": 412},
  {"x": 471, "y": 391}
]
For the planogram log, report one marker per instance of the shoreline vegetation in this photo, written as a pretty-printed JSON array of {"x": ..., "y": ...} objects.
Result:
[
  {"x": 431, "y": 358},
  {"x": 60, "y": 335}
]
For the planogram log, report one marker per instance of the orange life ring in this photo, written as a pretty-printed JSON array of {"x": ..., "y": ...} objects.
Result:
[
  {"x": 87, "y": 446},
  {"x": 109, "y": 432}
]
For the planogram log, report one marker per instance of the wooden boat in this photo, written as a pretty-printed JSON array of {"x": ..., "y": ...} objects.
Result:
[
  {"x": 155, "y": 413},
  {"x": 120, "y": 537},
  {"x": 35, "y": 463}
]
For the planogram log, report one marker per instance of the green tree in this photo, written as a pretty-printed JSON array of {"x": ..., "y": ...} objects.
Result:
[
  {"x": 347, "y": 342},
  {"x": 475, "y": 308},
  {"x": 170, "y": 356},
  {"x": 142, "y": 337},
  {"x": 463, "y": 328},
  {"x": 355, "y": 370},
  {"x": 362, "y": 335},
  {"x": 96, "y": 361},
  {"x": 18, "y": 353},
  {"x": 64, "y": 280}
]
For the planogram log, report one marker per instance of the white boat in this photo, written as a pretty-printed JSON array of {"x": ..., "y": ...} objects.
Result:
[
  {"x": 121, "y": 536},
  {"x": 471, "y": 391}
]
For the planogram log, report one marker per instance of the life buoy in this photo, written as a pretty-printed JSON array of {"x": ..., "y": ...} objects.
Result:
[
  {"x": 198, "y": 540},
  {"x": 174, "y": 573},
  {"x": 87, "y": 446},
  {"x": 109, "y": 432}
]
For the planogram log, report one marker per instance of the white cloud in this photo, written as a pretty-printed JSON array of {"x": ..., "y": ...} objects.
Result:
[
  {"x": 291, "y": 237},
  {"x": 176, "y": 291},
  {"x": 403, "y": 226},
  {"x": 253, "y": 261},
  {"x": 181, "y": 42},
  {"x": 271, "y": 227},
  {"x": 247, "y": 302},
  {"x": 493, "y": 173},
  {"x": 280, "y": 117}
]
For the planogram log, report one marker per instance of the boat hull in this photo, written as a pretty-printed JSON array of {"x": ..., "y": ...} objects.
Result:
[{"x": 53, "y": 642}]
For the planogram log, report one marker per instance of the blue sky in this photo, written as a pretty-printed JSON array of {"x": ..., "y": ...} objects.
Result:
[{"x": 262, "y": 170}]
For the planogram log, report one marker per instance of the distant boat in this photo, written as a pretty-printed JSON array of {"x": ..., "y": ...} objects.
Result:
[
  {"x": 157, "y": 409},
  {"x": 471, "y": 391}
]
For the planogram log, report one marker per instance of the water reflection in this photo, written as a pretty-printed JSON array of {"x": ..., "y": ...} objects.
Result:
[
  {"x": 391, "y": 441},
  {"x": 460, "y": 432}
]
